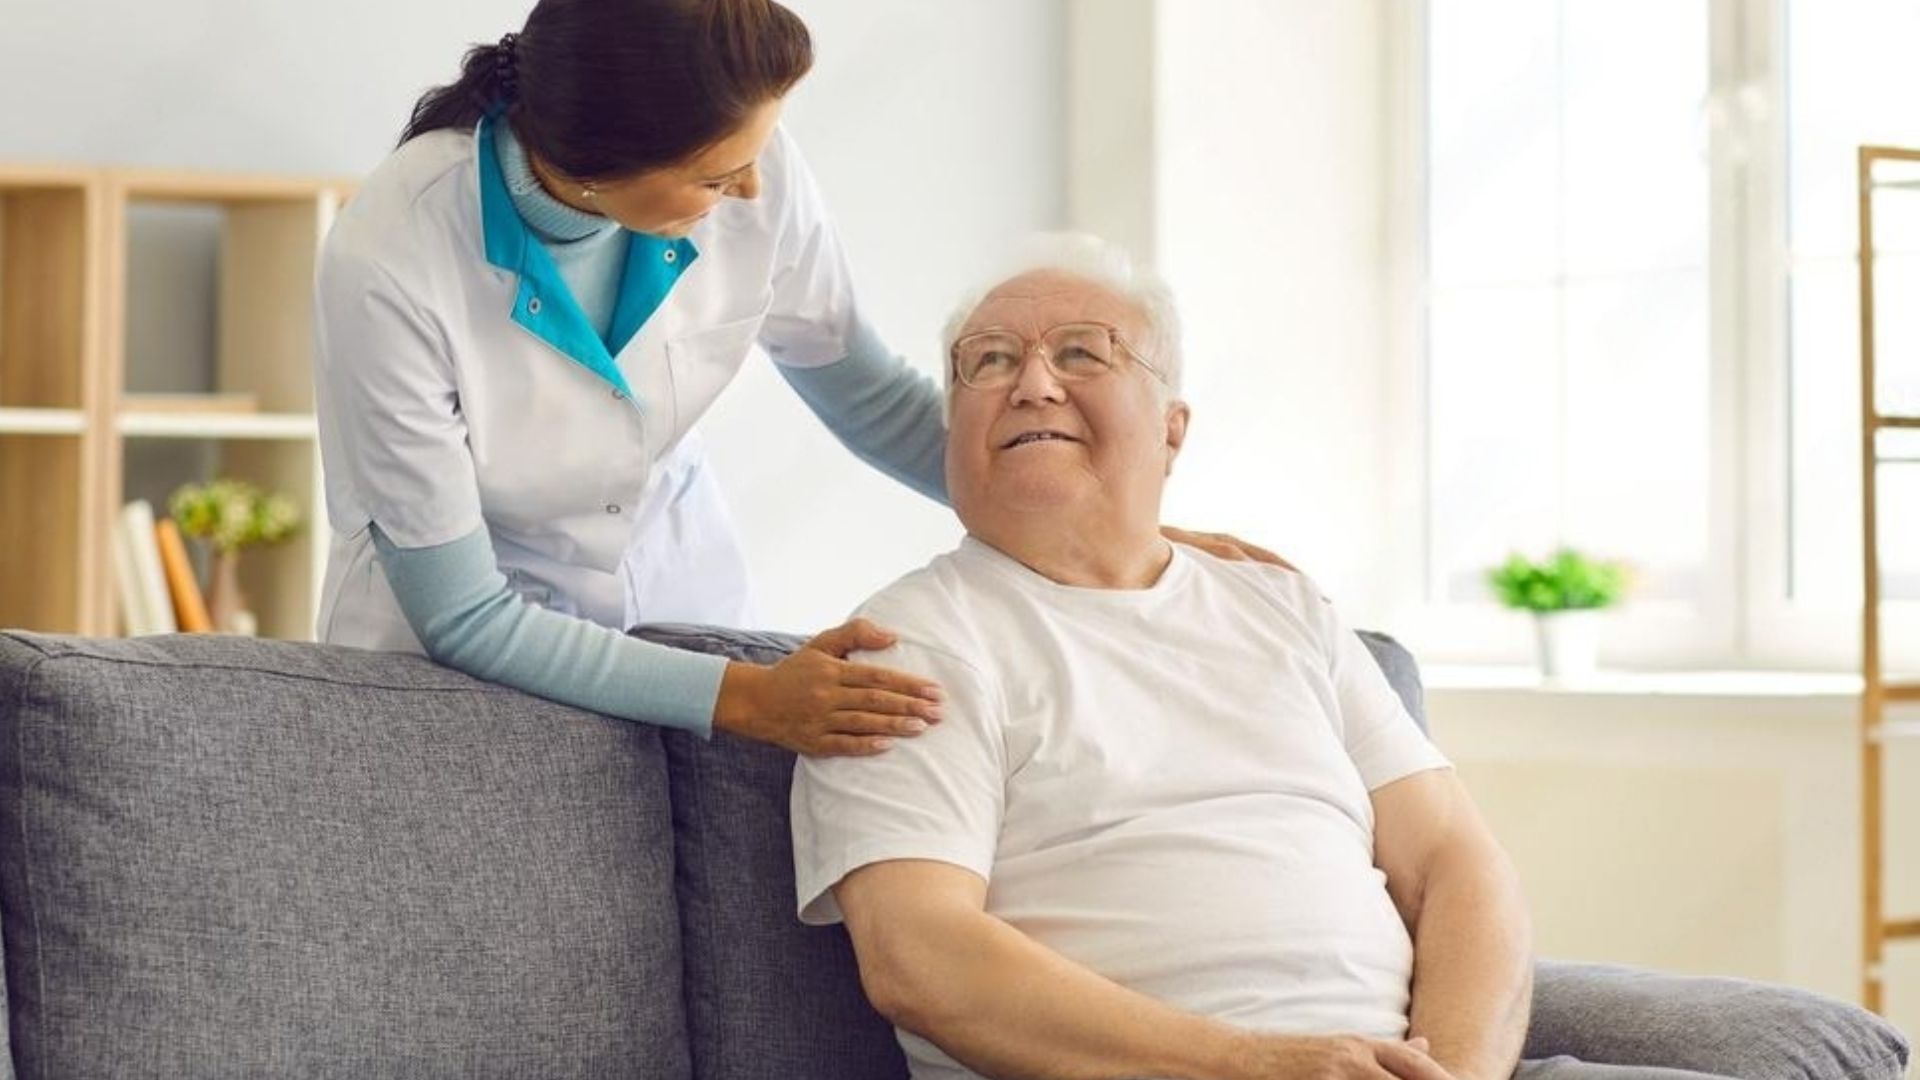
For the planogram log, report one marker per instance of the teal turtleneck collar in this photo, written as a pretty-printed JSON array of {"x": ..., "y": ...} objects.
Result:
[
  {"x": 553, "y": 275},
  {"x": 548, "y": 217}
]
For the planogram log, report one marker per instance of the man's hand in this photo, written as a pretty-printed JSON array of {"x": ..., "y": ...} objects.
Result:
[{"x": 1337, "y": 1057}]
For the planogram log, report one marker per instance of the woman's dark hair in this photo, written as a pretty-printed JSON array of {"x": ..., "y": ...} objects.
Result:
[{"x": 604, "y": 89}]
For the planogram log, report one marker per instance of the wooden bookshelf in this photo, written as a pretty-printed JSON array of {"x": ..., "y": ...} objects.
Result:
[{"x": 89, "y": 418}]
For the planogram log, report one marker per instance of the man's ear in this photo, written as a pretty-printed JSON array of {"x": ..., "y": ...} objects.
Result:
[{"x": 1177, "y": 416}]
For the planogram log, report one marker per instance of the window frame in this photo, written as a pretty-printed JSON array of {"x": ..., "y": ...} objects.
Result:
[{"x": 1745, "y": 619}]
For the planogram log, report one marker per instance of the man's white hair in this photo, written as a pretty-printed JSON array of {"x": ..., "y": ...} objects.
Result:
[{"x": 1105, "y": 264}]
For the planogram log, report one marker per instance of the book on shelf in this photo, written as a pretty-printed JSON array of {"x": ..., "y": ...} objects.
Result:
[
  {"x": 126, "y": 579},
  {"x": 145, "y": 606},
  {"x": 189, "y": 606}
]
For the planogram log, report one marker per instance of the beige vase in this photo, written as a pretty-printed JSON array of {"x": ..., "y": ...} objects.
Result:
[{"x": 226, "y": 604}]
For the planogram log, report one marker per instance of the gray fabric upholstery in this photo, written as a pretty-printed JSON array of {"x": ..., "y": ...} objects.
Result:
[
  {"x": 1729, "y": 1027},
  {"x": 6, "y": 969},
  {"x": 6, "y": 1011},
  {"x": 1403, "y": 673},
  {"x": 768, "y": 998},
  {"x": 232, "y": 858}
]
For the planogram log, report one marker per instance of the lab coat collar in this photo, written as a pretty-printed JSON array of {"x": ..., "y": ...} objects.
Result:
[{"x": 543, "y": 305}]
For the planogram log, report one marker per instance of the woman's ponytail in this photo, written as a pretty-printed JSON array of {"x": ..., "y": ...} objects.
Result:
[{"x": 487, "y": 81}]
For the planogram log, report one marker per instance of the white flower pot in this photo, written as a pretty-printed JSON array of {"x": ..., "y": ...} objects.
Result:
[{"x": 1569, "y": 642}]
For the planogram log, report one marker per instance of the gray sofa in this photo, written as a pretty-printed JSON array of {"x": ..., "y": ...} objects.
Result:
[{"x": 232, "y": 858}]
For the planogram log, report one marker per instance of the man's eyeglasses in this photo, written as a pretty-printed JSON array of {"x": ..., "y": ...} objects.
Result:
[{"x": 1074, "y": 352}]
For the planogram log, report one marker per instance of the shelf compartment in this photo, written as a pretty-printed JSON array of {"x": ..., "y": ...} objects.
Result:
[
  {"x": 42, "y": 534},
  {"x": 49, "y": 286},
  {"x": 216, "y": 277},
  {"x": 1894, "y": 171},
  {"x": 281, "y": 581}
]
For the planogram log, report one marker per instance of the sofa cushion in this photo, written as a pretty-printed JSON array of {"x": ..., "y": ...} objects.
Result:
[
  {"x": 235, "y": 858},
  {"x": 769, "y": 998}
]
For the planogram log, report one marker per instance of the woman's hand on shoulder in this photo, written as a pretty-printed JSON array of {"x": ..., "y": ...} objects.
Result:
[
  {"x": 818, "y": 703},
  {"x": 1222, "y": 546}
]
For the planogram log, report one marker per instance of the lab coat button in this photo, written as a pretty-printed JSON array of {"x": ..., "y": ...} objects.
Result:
[
  {"x": 613, "y": 508},
  {"x": 619, "y": 395}
]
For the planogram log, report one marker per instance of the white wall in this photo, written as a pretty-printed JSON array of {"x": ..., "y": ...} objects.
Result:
[
  {"x": 935, "y": 127},
  {"x": 936, "y": 130},
  {"x": 223, "y": 84},
  {"x": 1264, "y": 144},
  {"x": 1271, "y": 163}
]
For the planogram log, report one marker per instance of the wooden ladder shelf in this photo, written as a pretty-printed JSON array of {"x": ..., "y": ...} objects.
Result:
[{"x": 1877, "y": 691}]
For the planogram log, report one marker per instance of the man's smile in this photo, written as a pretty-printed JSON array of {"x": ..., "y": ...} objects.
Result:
[{"x": 1028, "y": 437}]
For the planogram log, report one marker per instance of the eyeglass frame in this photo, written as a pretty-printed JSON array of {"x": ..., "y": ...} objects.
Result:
[{"x": 1028, "y": 345}]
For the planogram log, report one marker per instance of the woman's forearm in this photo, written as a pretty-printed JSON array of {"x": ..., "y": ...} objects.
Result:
[
  {"x": 882, "y": 409},
  {"x": 460, "y": 607}
]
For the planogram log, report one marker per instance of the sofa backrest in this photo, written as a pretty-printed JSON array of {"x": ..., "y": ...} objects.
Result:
[
  {"x": 235, "y": 858},
  {"x": 226, "y": 857}
]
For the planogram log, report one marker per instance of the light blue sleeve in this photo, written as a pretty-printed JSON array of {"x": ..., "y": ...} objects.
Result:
[
  {"x": 891, "y": 416},
  {"x": 459, "y": 605}
]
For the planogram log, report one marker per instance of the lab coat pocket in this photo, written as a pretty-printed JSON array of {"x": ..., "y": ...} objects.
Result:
[{"x": 702, "y": 363}]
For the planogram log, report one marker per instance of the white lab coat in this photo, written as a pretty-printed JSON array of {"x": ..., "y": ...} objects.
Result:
[{"x": 443, "y": 408}]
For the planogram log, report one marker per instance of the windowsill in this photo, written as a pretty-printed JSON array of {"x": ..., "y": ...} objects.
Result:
[{"x": 1716, "y": 684}]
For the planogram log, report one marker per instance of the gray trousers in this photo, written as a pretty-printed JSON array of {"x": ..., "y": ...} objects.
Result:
[
  {"x": 1592, "y": 1022},
  {"x": 1569, "y": 1068}
]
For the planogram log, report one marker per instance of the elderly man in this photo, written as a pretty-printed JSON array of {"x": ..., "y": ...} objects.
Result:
[{"x": 1174, "y": 822}]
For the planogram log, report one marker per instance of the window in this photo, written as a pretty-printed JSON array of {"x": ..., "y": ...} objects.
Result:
[
  {"x": 1850, "y": 80},
  {"x": 1567, "y": 298},
  {"x": 1640, "y": 314}
]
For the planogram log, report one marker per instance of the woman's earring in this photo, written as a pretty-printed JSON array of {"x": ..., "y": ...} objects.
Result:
[{"x": 587, "y": 193}]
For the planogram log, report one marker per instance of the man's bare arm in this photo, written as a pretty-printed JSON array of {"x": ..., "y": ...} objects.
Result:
[
  {"x": 1459, "y": 895},
  {"x": 935, "y": 962}
]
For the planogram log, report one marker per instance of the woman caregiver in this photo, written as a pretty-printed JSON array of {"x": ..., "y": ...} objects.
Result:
[{"x": 520, "y": 315}]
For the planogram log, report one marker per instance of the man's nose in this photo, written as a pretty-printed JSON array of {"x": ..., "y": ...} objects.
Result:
[{"x": 1037, "y": 382}]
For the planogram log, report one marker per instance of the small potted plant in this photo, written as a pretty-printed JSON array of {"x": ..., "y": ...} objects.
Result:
[
  {"x": 1565, "y": 593},
  {"x": 231, "y": 515}
]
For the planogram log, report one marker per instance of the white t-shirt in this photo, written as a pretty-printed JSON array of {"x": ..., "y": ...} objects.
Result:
[{"x": 1166, "y": 785}]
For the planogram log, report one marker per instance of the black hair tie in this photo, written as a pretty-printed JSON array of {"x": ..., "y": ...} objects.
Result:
[{"x": 503, "y": 65}]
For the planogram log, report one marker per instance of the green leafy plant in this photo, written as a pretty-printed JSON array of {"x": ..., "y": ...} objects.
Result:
[
  {"x": 233, "y": 514},
  {"x": 1566, "y": 581}
]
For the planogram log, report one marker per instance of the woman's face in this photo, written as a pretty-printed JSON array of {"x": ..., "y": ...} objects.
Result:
[{"x": 668, "y": 202}]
